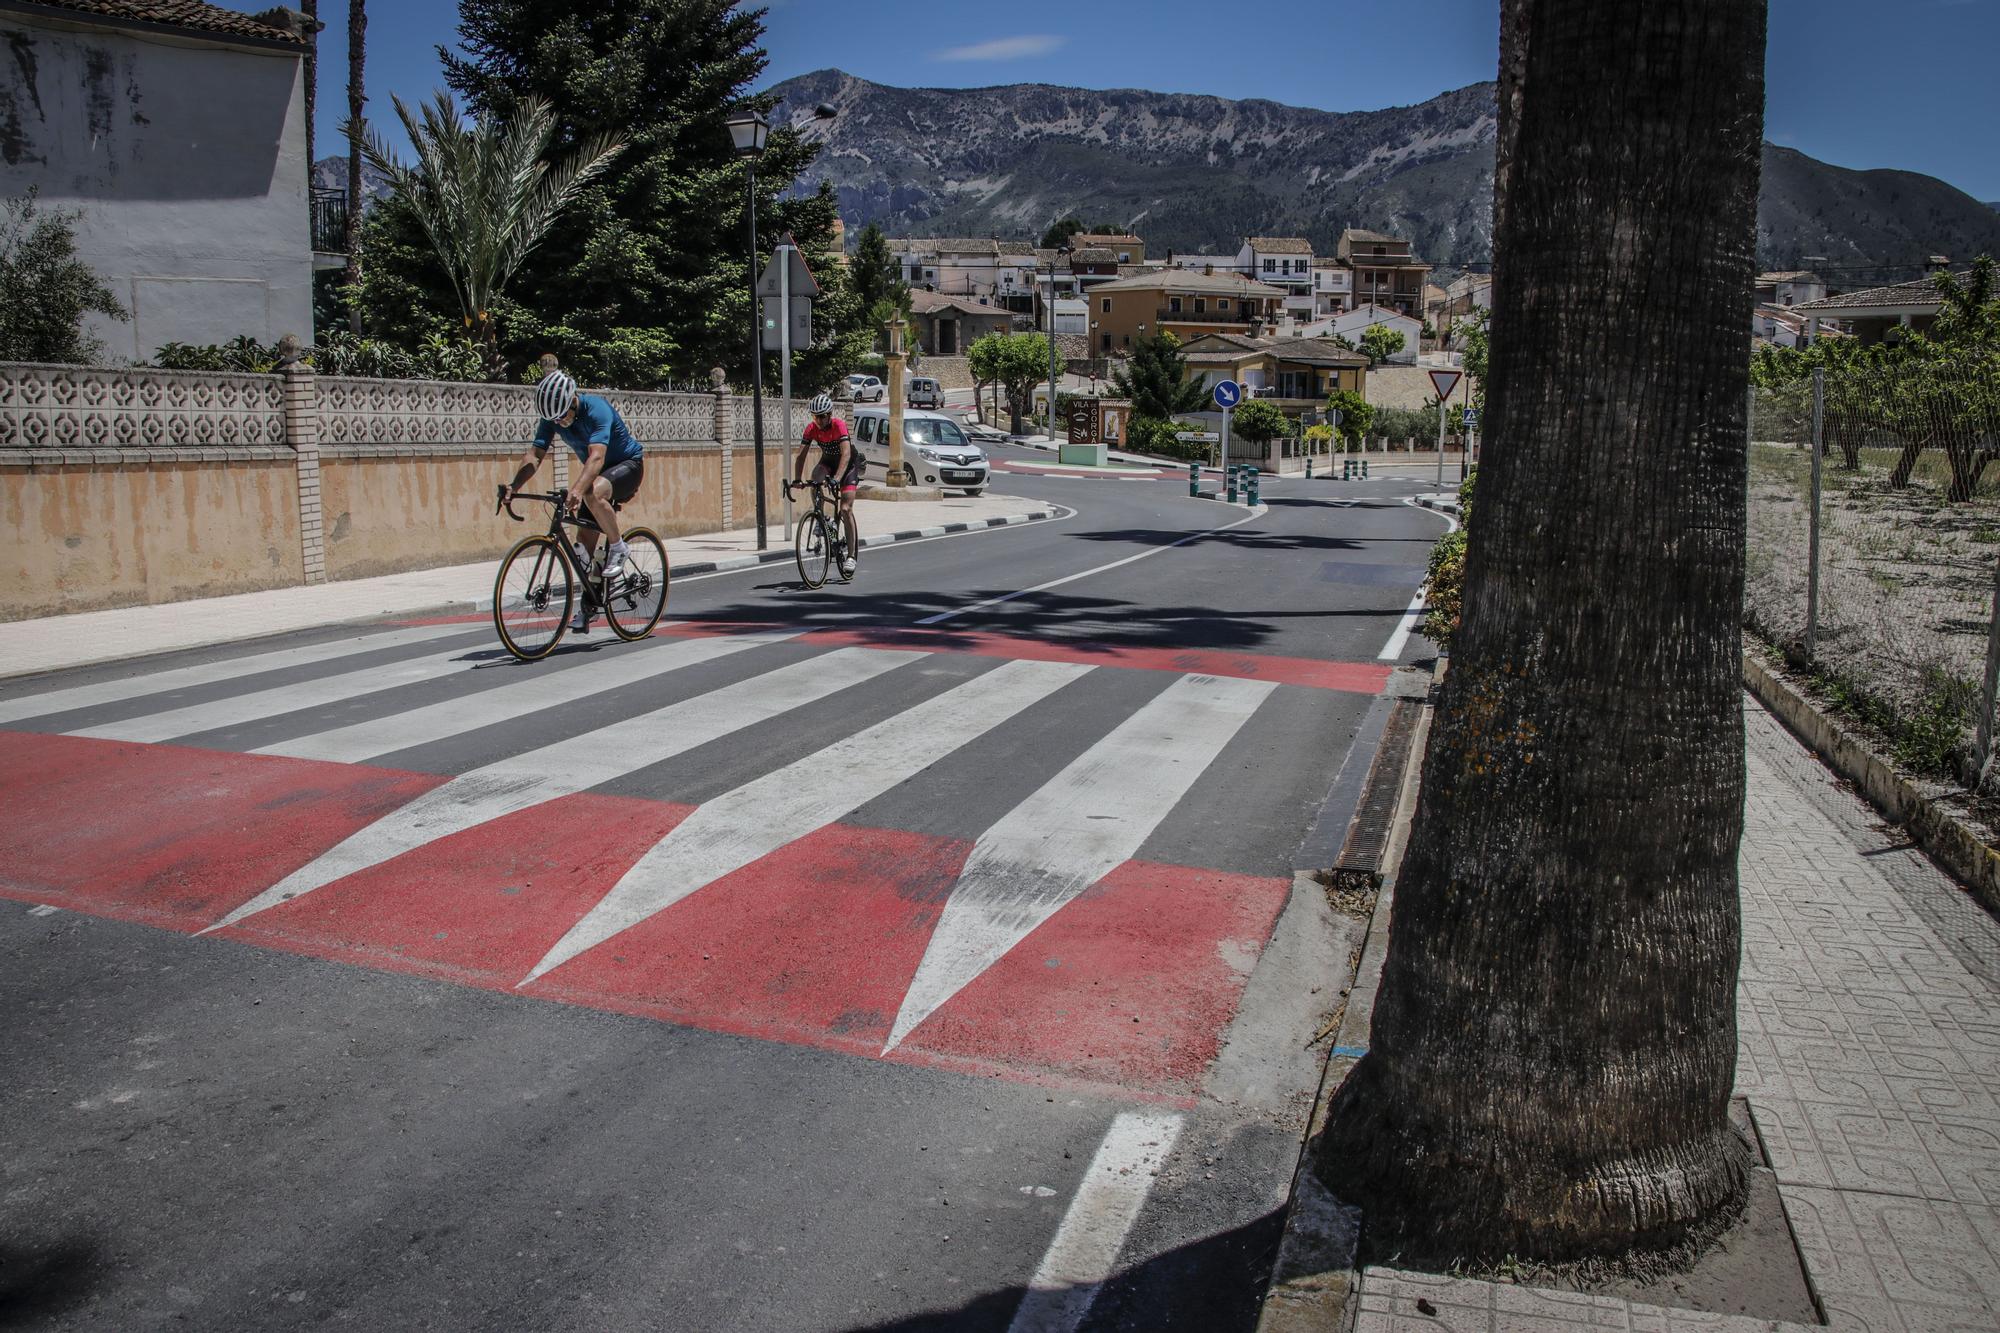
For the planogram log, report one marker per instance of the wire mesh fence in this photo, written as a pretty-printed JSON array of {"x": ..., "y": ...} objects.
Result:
[{"x": 1874, "y": 548}]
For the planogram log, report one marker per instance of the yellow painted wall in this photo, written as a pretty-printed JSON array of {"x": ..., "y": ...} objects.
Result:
[
  {"x": 79, "y": 536},
  {"x": 385, "y": 515}
]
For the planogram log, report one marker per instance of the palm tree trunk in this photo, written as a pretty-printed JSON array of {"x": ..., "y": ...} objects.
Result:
[
  {"x": 1554, "y": 1040},
  {"x": 357, "y": 61},
  {"x": 310, "y": 8}
]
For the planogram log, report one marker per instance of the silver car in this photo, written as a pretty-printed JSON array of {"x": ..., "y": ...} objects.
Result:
[{"x": 864, "y": 389}]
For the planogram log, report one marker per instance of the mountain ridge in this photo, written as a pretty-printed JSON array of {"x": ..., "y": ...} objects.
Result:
[{"x": 1192, "y": 172}]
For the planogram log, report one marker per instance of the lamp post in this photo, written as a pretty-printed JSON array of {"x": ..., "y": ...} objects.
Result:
[
  {"x": 750, "y": 131},
  {"x": 1061, "y": 251}
]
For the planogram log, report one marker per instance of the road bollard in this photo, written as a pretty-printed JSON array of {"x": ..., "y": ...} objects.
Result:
[
  {"x": 1364, "y": 469},
  {"x": 1229, "y": 485},
  {"x": 1194, "y": 480},
  {"x": 1253, "y": 478},
  {"x": 1309, "y": 467}
]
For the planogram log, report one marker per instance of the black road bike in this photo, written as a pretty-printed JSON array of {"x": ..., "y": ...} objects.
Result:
[
  {"x": 824, "y": 536},
  {"x": 540, "y": 581}
]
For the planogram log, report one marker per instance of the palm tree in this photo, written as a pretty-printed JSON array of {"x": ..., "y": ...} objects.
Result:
[
  {"x": 1554, "y": 1040},
  {"x": 357, "y": 60},
  {"x": 485, "y": 196}
]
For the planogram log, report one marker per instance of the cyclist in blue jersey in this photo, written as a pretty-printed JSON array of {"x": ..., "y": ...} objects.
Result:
[{"x": 613, "y": 464}]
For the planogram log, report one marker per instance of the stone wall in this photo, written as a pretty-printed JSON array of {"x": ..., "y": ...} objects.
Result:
[{"x": 131, "y": 486}]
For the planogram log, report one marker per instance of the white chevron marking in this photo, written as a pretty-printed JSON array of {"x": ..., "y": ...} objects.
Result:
[
  {"x": 208, "y": 673},
  {"x": 363, "y": 741},
  {"x": 784, "y": 805},
  {"x": 577, "y": 764},
  {"x": 1079, "y": 827}
]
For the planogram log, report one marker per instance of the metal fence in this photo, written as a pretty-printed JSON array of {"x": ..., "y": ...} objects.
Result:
[{"x": 1874, "y": 550}]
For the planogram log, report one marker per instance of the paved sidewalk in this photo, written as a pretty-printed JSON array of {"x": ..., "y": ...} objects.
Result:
[
  {"x": 53, "y": 642},
  {"x": 1869, "y": 1022}
]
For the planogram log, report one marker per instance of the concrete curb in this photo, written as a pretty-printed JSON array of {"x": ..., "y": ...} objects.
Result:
[
  {"x": 1949, "y": 840},
  {"x": 774, "y": 556},
  {"x": 1440, "y": 503},
  {"x": 1315, "y": 1270}
]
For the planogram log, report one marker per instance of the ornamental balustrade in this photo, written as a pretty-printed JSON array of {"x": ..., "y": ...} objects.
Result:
[{"x": 69, "y": 408}]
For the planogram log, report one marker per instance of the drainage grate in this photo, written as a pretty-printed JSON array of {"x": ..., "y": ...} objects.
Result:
[{"x": 1359, "y": 865}]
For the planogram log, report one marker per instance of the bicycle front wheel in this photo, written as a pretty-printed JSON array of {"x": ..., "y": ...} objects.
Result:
[
  {"x": 639, "y": 598},
  {"x": 815, "y": 550},
  {"x": 532, "y": 598},
  {"x": 850, "y": 545}
]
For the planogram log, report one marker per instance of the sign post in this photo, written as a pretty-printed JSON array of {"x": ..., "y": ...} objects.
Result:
[
  {"x": 1444, "y": 381},
  {"x": 1228, "y": 393},
  {"x": 785, "y": 291},
  {"x": 1471, "y": 421}
]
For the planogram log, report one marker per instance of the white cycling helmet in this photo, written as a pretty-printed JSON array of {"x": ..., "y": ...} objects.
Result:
[
  {"x": 555, "y": 395},
  {"x": 821, "y": 404}
]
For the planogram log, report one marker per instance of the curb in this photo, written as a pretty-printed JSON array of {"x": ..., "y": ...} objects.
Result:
[
  {"x": 1315, "y": 1269},
  {"x": 1443, "y": 506},
  {"x": 693, "y": 567},
  {"x": 1948, "y": 839}
]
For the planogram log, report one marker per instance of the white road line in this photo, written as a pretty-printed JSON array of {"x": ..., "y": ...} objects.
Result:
[
  {"x": 208, "y": 673},
  {"x": 1071, "y": 578},
  {"x": 1079, "y": 827},
  {"x": 577, "y": 764},
  {"x": 315, "y": 693},
  {"x": 786, "y": 804},
  {"x": 363, "y": 741},
  {"x": 1093, "y": 1231},
  {"x": 1392, "y": 651},
  {"x": 1062, "y": 513}
]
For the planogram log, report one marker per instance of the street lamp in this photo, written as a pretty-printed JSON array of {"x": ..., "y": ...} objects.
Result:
[
  {"x": 749, "y": 131},
  {"x": 1061, "y": 252}
]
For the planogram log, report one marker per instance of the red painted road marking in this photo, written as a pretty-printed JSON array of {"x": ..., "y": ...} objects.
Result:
[{"x": 814, "y": 944}]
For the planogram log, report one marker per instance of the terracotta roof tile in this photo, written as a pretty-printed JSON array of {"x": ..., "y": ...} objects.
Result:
[
  {"x": 189, "y": 14},
  {"x": 1280, "y": 245},
  {"x": 1918, "y": 293}
]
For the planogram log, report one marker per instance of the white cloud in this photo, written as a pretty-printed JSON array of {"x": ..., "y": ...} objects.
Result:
[{"x": 1005, "y": 48}]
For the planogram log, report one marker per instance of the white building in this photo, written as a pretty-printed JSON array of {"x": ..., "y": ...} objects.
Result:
[
  {"x": 178, "y": 130},
  {"x": 1352, "y": 324},
  {"x": 986, "y": 271},
  {"x": 1332, "y": 288},
  {"x": 1284, "y": 262}
]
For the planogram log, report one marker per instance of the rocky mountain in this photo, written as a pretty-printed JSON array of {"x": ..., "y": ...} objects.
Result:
[
  {"x": 330, "y": 173},
  {"x": 1193, "y": 173}
]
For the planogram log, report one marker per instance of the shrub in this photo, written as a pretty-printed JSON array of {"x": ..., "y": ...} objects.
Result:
[
  {"x": 242, "y": 354},
  {"x": 45, "y": 290},
  {"x": 1444, "y": 582},
  {"x": 1149, "y": 435}
]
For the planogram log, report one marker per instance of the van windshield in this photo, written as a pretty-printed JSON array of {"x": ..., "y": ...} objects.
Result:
[{"x": 929, "y": 430}]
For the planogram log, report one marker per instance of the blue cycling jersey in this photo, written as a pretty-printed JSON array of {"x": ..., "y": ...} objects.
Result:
[{"x": 596, "y": 422}]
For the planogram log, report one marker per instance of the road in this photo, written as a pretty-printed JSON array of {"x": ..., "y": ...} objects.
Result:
[{"x": 921, "y": 953}]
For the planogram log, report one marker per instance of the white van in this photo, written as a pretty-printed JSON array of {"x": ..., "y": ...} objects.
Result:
[{"x": 936, "y": 449}]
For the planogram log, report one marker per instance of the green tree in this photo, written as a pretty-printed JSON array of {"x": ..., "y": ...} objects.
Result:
[
  {"x": 1260, "y": 422},
  {"x": 1379, "y": 342},
  {"x": 1553, "y": 1044},
  {"x": 873, "y": 269},
  {"x": 45, "y": 290},
  {"x": 485, "y": 196},
  {"x": 1357, "y": 414},
  {"x": 1155, "y": 379},
  {"x": 1472, "y": 334},
  {"x": 1017, "y": 362},
  {"x": 1059, "y": 233}
]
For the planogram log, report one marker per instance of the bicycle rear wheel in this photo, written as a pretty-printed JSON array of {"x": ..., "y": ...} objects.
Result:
[
  {"x": 634, "y": 605},
  {"x": 532, "y": 598},
  {"x": 815, "y": 550},
  {"x": 850, "y": 546}
]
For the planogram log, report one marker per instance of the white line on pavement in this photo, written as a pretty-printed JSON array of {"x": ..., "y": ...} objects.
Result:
[
  {"x": 208, "y": 673},
  {"x": 1392, "y": 651},
  {"x": 1077, "y": 828},
  {"x": 1093, "y": 1231},
  {"x": 1062, "y": 513},
  {"x": 1084, "y": 574},
  {"x": 577, "y": 764},
  {"x": 788, "y": 803}
]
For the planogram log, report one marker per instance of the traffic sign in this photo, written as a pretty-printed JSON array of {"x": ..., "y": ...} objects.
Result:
[
  {"x": 802, "y": 284},
  {"x": 1444, "y": 381},
  {"x": 1471, "y": 417},
  {"x": 802, "y": 323},
  {"x": 1228, "y": 393},
  {"x": 1197, "y": 437}
]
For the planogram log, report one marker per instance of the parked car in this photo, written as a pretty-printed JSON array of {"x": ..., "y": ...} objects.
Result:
[
  {"x": 864, "y": 389},
  {"x": 936, "y": 449},
  {"x": 925, "y": 392}
]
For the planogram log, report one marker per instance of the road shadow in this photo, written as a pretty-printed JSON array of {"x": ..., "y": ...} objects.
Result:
[
  {"x": 1215, "y": 1284},
  {"x": 38, "y": 1283}
]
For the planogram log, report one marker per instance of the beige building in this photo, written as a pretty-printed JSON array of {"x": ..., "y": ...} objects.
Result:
[
  {"x": 1125, "y": 247},
  {"x": 1185, "y": 304},
  {"x": 1293, "y": 373},
  {"x": 1386, "y": 273}
]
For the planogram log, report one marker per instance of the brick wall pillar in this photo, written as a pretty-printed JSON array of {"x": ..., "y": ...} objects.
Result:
[
  {"x": 725, "y": 432},
  {"x": 302, "y": 434}
]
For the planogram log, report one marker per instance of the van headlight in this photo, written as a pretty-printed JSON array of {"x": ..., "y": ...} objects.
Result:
[{"x": 928, "y": 455}]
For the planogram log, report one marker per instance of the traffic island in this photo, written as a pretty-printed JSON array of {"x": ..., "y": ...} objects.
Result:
[{"x": 875, "y": 490}]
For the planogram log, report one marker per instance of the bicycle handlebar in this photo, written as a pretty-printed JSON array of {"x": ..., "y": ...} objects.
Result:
[{"x": 503, "y": 501}]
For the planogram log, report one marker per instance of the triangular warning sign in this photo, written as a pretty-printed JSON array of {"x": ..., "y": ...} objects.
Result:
[{"x": 1444, "y": 381}]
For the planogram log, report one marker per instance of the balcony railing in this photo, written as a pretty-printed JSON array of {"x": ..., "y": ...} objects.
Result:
[
  {"x": 329, "y": 220},
  {"x": 1187, "y": 314}
]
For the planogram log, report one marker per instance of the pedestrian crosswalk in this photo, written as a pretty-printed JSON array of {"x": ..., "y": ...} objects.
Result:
[{"x": 817, "y": 891}]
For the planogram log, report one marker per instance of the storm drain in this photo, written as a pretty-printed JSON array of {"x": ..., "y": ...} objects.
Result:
[{"x": 1359, "y": 866}]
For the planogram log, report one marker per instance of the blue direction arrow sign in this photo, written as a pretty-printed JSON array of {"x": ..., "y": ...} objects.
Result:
[{"x": 1228, "y": 394}]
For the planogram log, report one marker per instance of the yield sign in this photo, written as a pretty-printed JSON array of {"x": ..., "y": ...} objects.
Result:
[
  {"x": 1444, "y": 381},
  {"x": 801, "y": 280}
]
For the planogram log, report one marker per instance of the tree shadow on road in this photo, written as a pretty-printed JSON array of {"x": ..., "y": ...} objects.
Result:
[{"x": 47, "y": 1279}]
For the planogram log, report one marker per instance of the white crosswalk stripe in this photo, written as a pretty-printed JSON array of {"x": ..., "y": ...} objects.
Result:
[
  {"x": 1081, "y": 825},
  {"x": 782, "y": 806},
  {"x": 577, "y": 764},
  {"x": 377, "y": 736},
  {"x": 280, "y": 699},
  {"x": 210, "y": 673}
]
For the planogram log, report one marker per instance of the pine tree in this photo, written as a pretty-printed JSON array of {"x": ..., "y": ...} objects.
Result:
[{"x": 1156, "y": 380}]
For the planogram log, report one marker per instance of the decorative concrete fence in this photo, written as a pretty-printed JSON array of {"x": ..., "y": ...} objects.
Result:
[{"x": 128, "y": 486}]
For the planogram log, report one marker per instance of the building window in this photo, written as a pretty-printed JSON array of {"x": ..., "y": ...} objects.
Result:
[
  {"x": 1124, "y": 257},
  {"x": 1107, "y": 305},
  {"x": 1126, "y": 340},
  {"x": 1173, "y": 305},
  {"x": 1222, "y": 304},
  {"x": 1270, "y": 266},
  {"x": 1201, "y": 305}
]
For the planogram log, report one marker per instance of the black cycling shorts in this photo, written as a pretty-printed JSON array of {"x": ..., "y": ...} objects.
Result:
[{"x": 625, "y": 478}]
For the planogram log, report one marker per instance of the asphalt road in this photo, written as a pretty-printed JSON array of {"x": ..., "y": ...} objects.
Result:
[{"x": 919, "y": 953}]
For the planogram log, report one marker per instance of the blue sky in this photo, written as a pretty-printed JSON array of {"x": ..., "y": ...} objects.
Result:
[{"x": 1859, "y": 83}]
